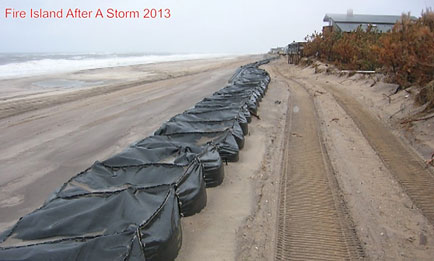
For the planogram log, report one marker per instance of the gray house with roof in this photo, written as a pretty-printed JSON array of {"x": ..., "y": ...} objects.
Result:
[{"x": 350, "y": 22}]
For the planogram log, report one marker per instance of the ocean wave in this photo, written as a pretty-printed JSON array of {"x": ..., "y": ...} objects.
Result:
[{"x": 47, "y": 64}]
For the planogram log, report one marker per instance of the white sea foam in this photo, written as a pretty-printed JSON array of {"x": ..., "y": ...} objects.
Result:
[{"x": 46, "y": 64}]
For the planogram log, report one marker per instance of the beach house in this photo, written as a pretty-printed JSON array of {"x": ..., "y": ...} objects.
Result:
[{"x": 350, "y": 22}]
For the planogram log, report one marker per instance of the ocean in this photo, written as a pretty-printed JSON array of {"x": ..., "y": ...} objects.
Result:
[{"x": 15, "y": 65}]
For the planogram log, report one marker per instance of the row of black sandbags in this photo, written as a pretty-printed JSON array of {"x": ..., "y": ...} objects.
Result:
[{"x": 128, "y": 206}]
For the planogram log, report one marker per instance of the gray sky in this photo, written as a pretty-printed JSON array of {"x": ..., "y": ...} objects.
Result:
[{"x": 237, "y": 26}]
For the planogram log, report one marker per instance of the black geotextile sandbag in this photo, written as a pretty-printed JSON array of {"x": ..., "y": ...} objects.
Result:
[
  {"x": 240, "y": 91},
  {"x": 258, "y": 84},
  {"x": 188, "y": 180},
  {"x": 129, "y": 224},
  {"x": 248, "y": 87},
  {"x": 260, "y": 80},
  {"x": 234, "y": 127},
  {"x": 240, "y": 112},
  {"x": 251, "y": 77},
  {"x": 246, "y": 97},
  {"x": 258, "y": 87},
  {"x": 214, "y": 117},
  {"x": 235, "y": 75},
  {"x": 234, "y": 108},
  {"x": 162, "y": 149},
  {"x": 222, "y": 102},
  {"x": 249, "y": 96},
  {"x": 223, "y": 140},
  {"x": 253, "y": 72},
  {"x": 254, "y": 75},
  {"x": 251, "y": 101}
]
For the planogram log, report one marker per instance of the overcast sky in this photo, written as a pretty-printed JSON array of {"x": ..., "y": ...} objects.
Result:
[{"x": 196, "y": 26}]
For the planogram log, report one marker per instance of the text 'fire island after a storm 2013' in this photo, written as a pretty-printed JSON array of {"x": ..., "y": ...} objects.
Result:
[{"x": 11, "y": 13}]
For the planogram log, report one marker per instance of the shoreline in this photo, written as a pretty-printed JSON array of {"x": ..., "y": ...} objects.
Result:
[
  {"x": 23, "y": 94},
  {"x": 14, "y": 66}
]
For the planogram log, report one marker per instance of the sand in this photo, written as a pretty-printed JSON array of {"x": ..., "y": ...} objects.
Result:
[{"x": 387, "y": 223}]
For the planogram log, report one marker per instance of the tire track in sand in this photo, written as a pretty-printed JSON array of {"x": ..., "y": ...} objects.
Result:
[
  {"x": 313, "y": 223},
  {"x": 404, "y": 164}
]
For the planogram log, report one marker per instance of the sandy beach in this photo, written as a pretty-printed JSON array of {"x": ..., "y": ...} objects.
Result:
[
  {"x": 49, "y": 133},
  {"x": 216, "y": 131},
  {"x": 325, "y": 171}
]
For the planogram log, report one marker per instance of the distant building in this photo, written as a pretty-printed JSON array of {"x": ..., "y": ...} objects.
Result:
[
  {"x": 295, "y": 52},
  {"x": 296, "y": 48},
  {"x": 350, "y": 22},
  {"x": 278, "y": 50},
  {"x": 273, "y": 51}
]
